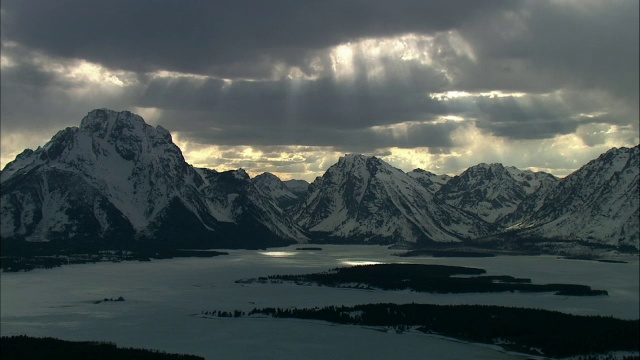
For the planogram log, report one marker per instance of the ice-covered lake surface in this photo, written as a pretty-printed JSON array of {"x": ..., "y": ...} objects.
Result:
[{"x": 164, "y": 299}]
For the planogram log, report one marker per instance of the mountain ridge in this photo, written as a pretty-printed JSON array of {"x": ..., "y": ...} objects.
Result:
[
  {"x": 493, "y": 191},
  {"x": 117, "y": 181},
  {"x": 596, "y": 203},
  {"x": 366, "y": 198}
]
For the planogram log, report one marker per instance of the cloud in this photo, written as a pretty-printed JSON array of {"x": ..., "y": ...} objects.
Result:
[
  {"x": 255, "y": 83},
  {"x": 291, "y": 112},
  {"x": 45, "y": 93},
  {"x": 228, "y": 39},
  {"x": 548, "y": 45}
]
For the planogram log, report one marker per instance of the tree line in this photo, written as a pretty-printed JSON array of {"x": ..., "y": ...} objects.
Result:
[
  {"x": 429, "y": 278},
  {"x": 532, "y": 331}
]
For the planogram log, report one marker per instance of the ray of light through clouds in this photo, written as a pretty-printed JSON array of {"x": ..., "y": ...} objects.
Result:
[{"x": 288, "y": 87}]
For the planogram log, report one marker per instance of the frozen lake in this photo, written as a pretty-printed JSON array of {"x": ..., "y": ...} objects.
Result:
[{"x": 165, "y": 297}]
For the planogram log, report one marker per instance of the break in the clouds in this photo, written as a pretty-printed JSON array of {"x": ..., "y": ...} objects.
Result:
[{"x": 288, "y": 86}]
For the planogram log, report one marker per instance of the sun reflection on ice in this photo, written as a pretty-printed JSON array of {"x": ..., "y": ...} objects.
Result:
[
  {"x": 279, "y": 254},
  {"x": 359, "y": 262}
]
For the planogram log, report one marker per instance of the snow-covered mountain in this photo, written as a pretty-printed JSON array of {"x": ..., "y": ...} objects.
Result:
[
  {"x": 285, "y": 197},
  {"x": 493, "y": 191},
  {"x": 364, "y": 199},
  {"x": 598, "y": 203},
  {"x": 299, "y": 188},
  {"x": 429, "y": 180},
  {"x": 234, "y": 198},
  {"x": 114, "y": 179}
]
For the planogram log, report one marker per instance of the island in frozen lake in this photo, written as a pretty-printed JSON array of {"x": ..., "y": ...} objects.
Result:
[{"x": 165, "y": 299}]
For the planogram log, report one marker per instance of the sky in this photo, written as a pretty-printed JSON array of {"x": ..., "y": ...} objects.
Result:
[{"x": 288, "y": 86}]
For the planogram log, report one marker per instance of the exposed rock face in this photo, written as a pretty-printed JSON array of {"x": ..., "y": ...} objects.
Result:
[
  {"x": 116, "y": 179},
  {"x": 493, "y": 192},
  {"x": 288, "y": 194},
  {"x": 364, "y": 199},
  {"x": 598, "y": 203}
]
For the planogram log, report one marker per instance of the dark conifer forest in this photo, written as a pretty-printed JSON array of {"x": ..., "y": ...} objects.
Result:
[
  {"x": 532, "y": 331},
  {"x": 26, "y": 347}
]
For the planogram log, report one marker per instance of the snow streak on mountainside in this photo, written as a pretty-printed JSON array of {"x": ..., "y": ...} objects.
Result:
[
  {"x": 234, "y": 196},
  {"x": 278, "y": 190},
  {"x": 365, "y": 199},
  {"x": 116, "y": 177},
  {"x": 429, "y": 180},
  {"x": 131, "y": 166},
  {"x": 598, "y": 203},
  {"x": 492, "y": 192},
  {"x": 299, "y": 188}
]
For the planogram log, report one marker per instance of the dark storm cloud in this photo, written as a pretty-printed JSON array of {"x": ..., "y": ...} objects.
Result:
[
  {"x": 225, "y": 38},
  {"x": 576, "y": 62},
  {"x": 25, "y": 73},
  {"x": 547, "y": 45},
  {"x": 324, "y": 102},
  {"x": 39, "y": 95},
  {"x": 530, "y": 117},
  {"x": 348, "y": 139},
  {"x": 538, "y": 116},
  {"x": 356, "y": 114}
]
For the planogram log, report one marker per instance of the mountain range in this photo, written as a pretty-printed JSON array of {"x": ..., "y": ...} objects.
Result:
[{"x": 117, "y": 182}]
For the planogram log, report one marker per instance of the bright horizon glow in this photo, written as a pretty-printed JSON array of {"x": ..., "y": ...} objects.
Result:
[{"x": 471, "y": 147}]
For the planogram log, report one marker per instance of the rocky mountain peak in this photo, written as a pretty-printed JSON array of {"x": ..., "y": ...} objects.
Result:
[
  {"x": 429, "y": 180},
  {"x": 492, "y": 191},
  {"x": 278, "y": 190},
  {"x": 241, "y": 174},
  {"x": 267, "y": 177},
  {"x": 348, "y": 161},
  {"x": 487, "y": 171},
  {"x": 117, "y": 179},
  {"x": 422, "y": 172},
  {"x": 596, "y": 203},
  {"x": 361, "y": 166},
  {"x": 127, "y": 132},
  {"x": 367, "y": 199}
]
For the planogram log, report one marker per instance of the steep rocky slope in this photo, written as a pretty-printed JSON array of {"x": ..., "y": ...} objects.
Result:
[
  {"x": 364, "y": 199},
  {"x": 116, "y": 179},
  {"x": 598, "y": 203}
]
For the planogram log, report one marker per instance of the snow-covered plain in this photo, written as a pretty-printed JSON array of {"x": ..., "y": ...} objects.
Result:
[{"x": 164, "y": 299}]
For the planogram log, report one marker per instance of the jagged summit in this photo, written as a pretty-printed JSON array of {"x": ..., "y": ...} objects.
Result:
[
  {"x": 429, "y": 180},
  {"x": 104, "y": 118},
  {"x": 278, "y": 190},
  {"x": 423, "y": 172},
  {"x": 367, "y": 199},
  {"x": 130, "y": 134},
  {"x": 353, "y": 156},
  {"x": 116, "y": 177},
  {"x": 493, "y": 191},
  {"x": 137, "y": 167},
  {"x": 489, "y": 165},
  {"x": 103, "y": 136}
]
